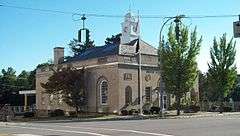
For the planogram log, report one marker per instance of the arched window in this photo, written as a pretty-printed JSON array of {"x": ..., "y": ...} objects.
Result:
[
  {"x": 103, "y": 92},
  {"x": 128, "y": 95}
]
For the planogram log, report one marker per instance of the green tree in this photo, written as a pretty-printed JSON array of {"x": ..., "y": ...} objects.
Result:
[
  {"x": 8, "y": 84},
  {"x": 78, "y": 48},
  {"x": 222, "y": 70},
  {"x": 68, "y": 82},
  {"x": 178, "y": 61},
  {"x": 235, "y": 95},
  {"x": 202, "y": 87},
  {"x": 22, "y": 80},
  {"x": 115, "y": 39}
]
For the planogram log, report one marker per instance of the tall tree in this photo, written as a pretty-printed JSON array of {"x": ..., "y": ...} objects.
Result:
[
  {"x": 78, "y": 48},
  {"x": 202, "y": 86},
  {"x": 8, "y": 84},
  {"x": 222, "y": 70},
  {"x": 22, "y": 80},
  {"x": 178, "y": 61},
  {"x": 115, "y": 39},
  {"x": 68, "y": 82}
]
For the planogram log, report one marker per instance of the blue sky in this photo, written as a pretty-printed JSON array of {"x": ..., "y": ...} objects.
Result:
[{"x": 28, "y": 37}]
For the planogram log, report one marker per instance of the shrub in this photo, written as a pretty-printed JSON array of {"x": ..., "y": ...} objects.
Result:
[
  {"x": 130, "y": 112},
  {"x": 227, "y": 109},
  {"x": 147, "y": 112},
  {"x": 191, "y": 109},
  {"x": 72, "y": 113},
  {"x": 213, "y": 108},
  {"x": 124, "y": 112},
  {"x": 133, "y": 111},
  {"x": 28, "y": 114},
  {"x": 56, "y": 113},
  {"x": 155, "y": 110}
]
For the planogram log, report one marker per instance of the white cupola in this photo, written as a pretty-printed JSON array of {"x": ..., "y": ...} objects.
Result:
[{"x": 130, "y": 28}]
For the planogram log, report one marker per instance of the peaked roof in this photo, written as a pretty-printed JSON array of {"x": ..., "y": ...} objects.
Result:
[{"x": 96, "y": 52}]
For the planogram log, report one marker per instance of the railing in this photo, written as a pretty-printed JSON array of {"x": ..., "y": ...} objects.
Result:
[{"x": 21, "y": 109}]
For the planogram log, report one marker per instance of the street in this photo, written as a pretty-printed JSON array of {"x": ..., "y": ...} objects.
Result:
[{"x": 205, "y": 126}]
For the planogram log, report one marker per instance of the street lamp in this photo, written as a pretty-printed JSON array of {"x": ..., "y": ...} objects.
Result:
[{"x": 161, "y": 101}]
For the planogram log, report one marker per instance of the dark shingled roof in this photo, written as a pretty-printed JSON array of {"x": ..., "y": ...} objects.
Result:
[{"x": 96, "y": 52}]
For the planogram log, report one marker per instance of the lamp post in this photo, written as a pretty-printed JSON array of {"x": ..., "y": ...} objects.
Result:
[{"x": 177, "y": 20}]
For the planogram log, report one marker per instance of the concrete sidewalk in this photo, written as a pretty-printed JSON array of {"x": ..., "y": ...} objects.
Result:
[{"x": 169, "y": 115}]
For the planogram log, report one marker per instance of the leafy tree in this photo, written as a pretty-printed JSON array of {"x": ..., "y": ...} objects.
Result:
[
  {"x": 115, "y": 39},
  {"x": 202, "y": 87},
  {"x": 22, "y": 80},
  {"x": 178, "y": 61},
  {"x": 78, "y": 48},
  {"x": 7, "y": 86},
  {"x": 8, "y": 79},
  {"x": 235, "y": 95},
  {"x": 222, "y": 70},
  {"x": 32, "y": 79},
  {"x": 68, "y": 82}
]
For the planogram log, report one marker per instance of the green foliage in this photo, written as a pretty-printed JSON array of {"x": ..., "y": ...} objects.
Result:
[
  {"x": 22, "y": 80},
  {"x": 8, "y": 80},
  {"x": 178, "y": 61},
  {"x": 78, "y": 48},
  {"x": 222, "y": 72},
  {"x": 68, "y": 82},
  {"x": 235, "y": 95},
  {"x": 204, "y": 87},
  {"x": 115, "y": 39}
]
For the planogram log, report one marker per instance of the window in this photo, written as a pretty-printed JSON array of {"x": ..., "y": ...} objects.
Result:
[
  {"x": 103, "y": 92},
  {"x": 127, "y": 76},
  {"x": 165, "y": 101},
  {"x": 148, "y": 94},
  {"x": 128, "y": 95}
]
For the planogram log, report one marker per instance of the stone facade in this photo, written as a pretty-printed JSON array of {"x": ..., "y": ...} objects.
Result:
[{"x": 113, "y": 70}]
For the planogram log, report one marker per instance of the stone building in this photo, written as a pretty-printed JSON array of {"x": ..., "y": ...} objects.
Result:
[{"x": 114, "y": 78}]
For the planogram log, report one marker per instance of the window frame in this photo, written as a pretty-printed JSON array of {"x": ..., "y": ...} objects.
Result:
[
  {"x": 128, "y": 90},
  {"x": 106, "y": 93}
]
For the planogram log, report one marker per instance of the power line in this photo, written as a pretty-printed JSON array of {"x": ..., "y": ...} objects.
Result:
[
  {"x": 115, "y": 16},
  {"x": 37, "y": 9}
]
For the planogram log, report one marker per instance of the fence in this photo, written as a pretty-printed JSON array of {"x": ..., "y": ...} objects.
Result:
[{"x": 21, "y": 109}]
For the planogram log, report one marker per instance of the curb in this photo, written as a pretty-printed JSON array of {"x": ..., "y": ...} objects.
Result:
[
  {"x": 125, "y": 118},
  {"x": 207, "y": 115}
]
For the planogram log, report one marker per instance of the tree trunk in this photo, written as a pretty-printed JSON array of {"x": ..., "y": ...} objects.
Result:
[
  {"x": 178, "y": 99},
  {"x": 221, "y": 107},
  {"x": 77, "y": 110}
]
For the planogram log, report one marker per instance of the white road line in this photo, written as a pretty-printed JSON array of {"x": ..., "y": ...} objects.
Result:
[
  {"x": 111, "y": 129},
  {"x": 64, "y": 131}
]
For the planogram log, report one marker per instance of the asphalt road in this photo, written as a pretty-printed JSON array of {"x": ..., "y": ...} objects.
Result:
[{"x": 205, "y": 126}]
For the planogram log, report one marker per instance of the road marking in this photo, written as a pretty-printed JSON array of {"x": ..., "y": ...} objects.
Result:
[
  {"x": 64, "y": 131},
  {"x": 119, "y": 130}
]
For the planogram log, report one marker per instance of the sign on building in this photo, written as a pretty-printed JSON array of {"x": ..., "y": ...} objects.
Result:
[{"x": 236, "y": 29}]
